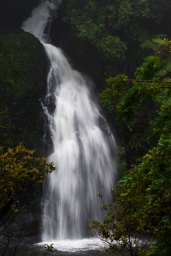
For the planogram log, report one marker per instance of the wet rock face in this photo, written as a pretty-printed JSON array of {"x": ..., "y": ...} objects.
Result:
[
  {"x": 14, "y": 12},
  {"x": 23, "y": 68},
  {"x": 23, "y": 74}
]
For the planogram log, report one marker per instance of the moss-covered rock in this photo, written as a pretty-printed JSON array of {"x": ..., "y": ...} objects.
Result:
[{"x": 23, "y": 71}]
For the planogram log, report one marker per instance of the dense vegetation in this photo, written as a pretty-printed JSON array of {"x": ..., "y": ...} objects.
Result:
[
  {"x": 105, "y": 37},
  {"x": 139, "y": 215}
]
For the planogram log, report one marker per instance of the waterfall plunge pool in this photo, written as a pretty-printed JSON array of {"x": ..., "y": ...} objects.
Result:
[
  {"x": 75, "y": 246},
  {"x": 81, "y": 247}
]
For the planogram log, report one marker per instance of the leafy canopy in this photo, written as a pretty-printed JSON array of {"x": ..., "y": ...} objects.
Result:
[{"x": 138, "y": 218}]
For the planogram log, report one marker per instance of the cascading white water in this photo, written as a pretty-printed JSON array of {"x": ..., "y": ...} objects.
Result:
[
  {"x": 81, "y": 149},
  {"x": 80, "y": 152}
]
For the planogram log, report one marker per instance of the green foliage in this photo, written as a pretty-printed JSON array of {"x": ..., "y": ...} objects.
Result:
[
  {"x": 112, "y": 94},
  {"x": 20, "y": 169},
  {"x": 162, "y": 46},
  {"x": 138, "y": 218},
  {"x": 135, "y": 103},
  {"x": 141, "y": 206},
  {"x": 112, "y": 32},
  {"x": 94, "y": 33},
  {"x": 88, "y": 25}
]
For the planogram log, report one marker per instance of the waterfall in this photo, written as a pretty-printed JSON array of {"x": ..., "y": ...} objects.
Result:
[{"x": 82, "y": 145}]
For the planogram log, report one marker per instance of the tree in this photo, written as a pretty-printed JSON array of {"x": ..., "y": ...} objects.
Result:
[
  {"x": 111, "y": 33},
  {"x": 138, "y": 217},
  {"x": 133, "y": 103},
  {"x": 20, "y": 171}
]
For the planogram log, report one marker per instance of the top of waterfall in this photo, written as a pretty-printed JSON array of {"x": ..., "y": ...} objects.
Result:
[{"x": 40, "y": 18}]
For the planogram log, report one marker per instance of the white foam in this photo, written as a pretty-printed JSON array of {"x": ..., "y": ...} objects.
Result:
[{"x": 76, "y": 245}]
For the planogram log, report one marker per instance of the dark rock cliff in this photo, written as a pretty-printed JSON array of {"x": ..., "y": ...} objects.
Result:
[
  {"x": 23, "y": 73},
  {"x": 14, "y": 12}
]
